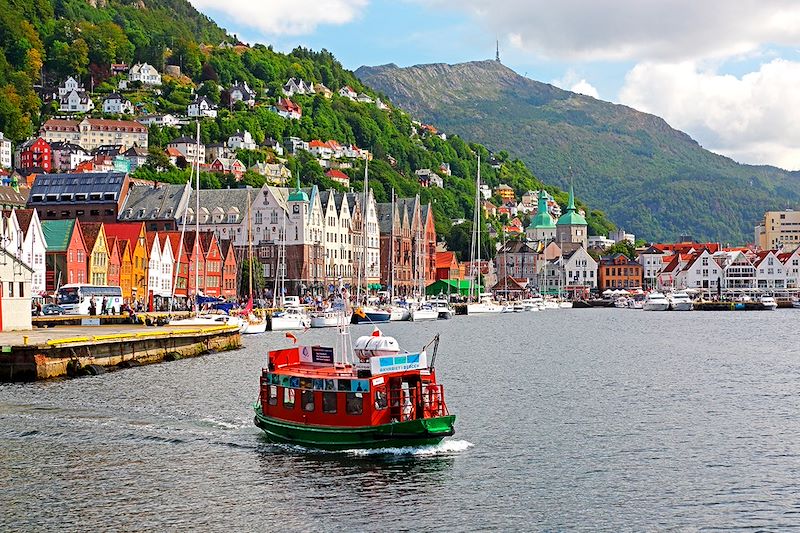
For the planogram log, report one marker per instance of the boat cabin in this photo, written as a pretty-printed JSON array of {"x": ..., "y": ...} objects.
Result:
[{"x": 305, "y": 385}]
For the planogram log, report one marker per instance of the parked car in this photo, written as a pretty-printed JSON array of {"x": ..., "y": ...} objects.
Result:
[{"x": 50, "y": 310}]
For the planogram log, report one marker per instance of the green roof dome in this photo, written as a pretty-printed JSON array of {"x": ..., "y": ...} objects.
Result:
[
  {"x": 571, "y": 217},
  {"x": 542, "y": 220},
  {"x": 298, "y": 195}
]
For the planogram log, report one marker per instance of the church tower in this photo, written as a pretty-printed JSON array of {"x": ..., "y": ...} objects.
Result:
[{"x": 572, "y": 226}]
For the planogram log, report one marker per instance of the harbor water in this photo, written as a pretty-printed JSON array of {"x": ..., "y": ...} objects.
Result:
[{"x": 601, "y": 419}]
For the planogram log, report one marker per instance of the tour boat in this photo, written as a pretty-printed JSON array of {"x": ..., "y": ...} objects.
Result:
[
  {"x": 680, "y": 301},
  {"x": 769, "y": 303},
  {"x": 318, "y": 397},
  {"x": 656, "y": 301},
  {"x": 290, "y": 318}
]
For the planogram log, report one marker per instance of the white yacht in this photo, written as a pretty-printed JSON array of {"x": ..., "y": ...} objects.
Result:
[
  {"x": 680, "y": 301},
  {"x": 484, "y": 307},
  {"x": 254, "y": 324},
  {"x": 424, "y": 311},
  {"x": 399, "y": 313},
  {"x": 210, "y": 319},
  {"x": 769, "y": 303},
  {"x": 565, "y": 305},
  {"x": 656, "y": 301},
  {"x": 290, "y": 318},
  {"x": 444, "y": 310}
]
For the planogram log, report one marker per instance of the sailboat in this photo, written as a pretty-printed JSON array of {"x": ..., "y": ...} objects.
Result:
[
  {"x": 366, "y": 313},
  {"x": 200, "y": 318},
  {"x": 253, "y": 324},
  {"x": 480, "y": 303}
]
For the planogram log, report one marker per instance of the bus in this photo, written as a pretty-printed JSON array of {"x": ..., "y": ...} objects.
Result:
[{"x": 76, "y": 297}]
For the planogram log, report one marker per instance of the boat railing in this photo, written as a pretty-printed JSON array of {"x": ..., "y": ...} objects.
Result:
[{"x": 413, "y": 404}]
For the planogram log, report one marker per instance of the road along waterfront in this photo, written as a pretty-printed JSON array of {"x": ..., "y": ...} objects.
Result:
[{"x": 577, "y": 419}]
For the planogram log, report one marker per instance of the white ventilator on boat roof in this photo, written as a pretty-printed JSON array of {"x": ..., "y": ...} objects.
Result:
[{"x": 368, "y": 346}]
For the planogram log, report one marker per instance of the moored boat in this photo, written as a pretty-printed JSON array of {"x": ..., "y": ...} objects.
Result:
[
  {"x": 370, "y": 315},
  {"x": 680, "y": 301},
  {"x": 443, "y": 309},
  {"x": 424, "y": 311},
  {"x": 317, "y": 397},
  {"x": 290, "y": 318},
  {"x": 656, "y": 301},
  {"x": 769, "y": 303}
]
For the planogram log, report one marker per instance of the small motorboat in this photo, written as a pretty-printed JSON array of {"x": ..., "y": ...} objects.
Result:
[
  {"x": 290, "y": 318},
  {"x": 425, "y": 311},
  {"x": 769, "y": 303}
]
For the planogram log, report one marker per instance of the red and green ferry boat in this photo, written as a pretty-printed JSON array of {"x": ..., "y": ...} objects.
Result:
[{"x": 313, "y": 396}]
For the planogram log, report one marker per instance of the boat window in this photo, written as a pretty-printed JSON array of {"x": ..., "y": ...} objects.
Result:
[
  {"x": 307, "y": 400},
  {"x": 329, "y": 402},
  {"x": 355, "y": 403},
  {"x": 288, "y": 398},
  {"x": 273, "y": 395},
  {"x": 381, "y": 402}
]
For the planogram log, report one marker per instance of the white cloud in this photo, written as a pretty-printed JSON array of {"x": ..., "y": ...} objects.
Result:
[
  {"x": 283, "y": 17},
  {"x": 573, "y": 82},
  {"x": 656, "y": 30},
  {"x": 752, "y": 118}
]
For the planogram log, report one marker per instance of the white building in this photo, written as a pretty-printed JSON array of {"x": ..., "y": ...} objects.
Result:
[
  {"x": 116, "y": 104},
  {"x": 167, "y": 263},
  {"x": 76, "y": 102},
  {"x": 600, "y": 242},
  {"x": 652, "y": 262},
  {"x": 770, "y": 273},
  {"x": 90, "y": 133},
  {"x": 202, "y": 107},
  {"x": 791, "y": 268},
  {"x": 147, "y": 74},
  {"x": 297, "y": 86},
  {"x": 338, "y": 238},
  {"x": 579, "y": 268},
  {"x": 738, "y": 271},
  {"x": 701, "y": 272},
  {"x": 189, "y": 148},
  {"x": 15, "y": 280},
  {"x": 348, "y": 92},
  {"x": 69, "y": 85},
  {"x": 620, "y": 235},
  {"x": 166, "y": 120},
  {"x": 240, "y": 92},
  {"x": 242, "y": 140},
  {"x": 5, "y": 152}
]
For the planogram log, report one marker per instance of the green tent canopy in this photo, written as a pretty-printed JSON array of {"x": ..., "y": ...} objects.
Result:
[
  {"x": 451, "y": 286},
  {"x": 375, "y": 286}
]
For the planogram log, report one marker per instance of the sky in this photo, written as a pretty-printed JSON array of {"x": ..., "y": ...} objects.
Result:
[{"x": 727, "y": 73}]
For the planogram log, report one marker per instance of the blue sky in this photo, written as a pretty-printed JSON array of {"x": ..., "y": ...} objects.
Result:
[{"x": 726, "y": 73}]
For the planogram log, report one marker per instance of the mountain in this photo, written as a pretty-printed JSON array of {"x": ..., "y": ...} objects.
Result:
[
  {"x": 44, "y": 41},
  {"x": 651, "y": 179}
]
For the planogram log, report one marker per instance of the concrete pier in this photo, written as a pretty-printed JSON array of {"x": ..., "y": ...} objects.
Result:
[{"x": 77, "y": 350}]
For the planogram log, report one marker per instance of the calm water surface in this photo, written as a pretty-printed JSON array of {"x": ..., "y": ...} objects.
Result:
[{"x": 567, "y": 420}]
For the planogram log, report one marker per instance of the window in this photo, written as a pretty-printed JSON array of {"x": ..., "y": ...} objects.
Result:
[
  {"x": 307, "y": 400},
  {"x": 329, "y": 402},
  {"x": 355, "y": 403},
  {"x": 380, "y": 400},
  {"x": 288, "y": 398}
]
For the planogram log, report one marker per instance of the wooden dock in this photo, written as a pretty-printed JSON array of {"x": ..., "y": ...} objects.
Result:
[{"x": 79, "y": 350}]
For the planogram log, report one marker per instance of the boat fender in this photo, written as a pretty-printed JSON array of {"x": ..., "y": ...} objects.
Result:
[
  {"x": 74, "y": 368},
  {"x": 94, "y": 370}
]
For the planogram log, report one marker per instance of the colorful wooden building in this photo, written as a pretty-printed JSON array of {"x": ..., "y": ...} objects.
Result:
[
  {"x": 97, "y": 251},
  {"x": 66, "y": 253}
]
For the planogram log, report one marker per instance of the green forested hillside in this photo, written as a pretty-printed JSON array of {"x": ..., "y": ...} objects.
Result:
[
  {"x": 43, "y": 41},
  {"x": 650, "y": 178}
]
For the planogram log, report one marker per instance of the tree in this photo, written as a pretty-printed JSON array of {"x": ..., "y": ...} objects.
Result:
[{"x": 622, "y": 247}]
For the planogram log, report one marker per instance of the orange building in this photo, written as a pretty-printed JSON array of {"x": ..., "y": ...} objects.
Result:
[
  {"x": 618, "y": 272},
  {"x": 125, "y": 268},
  {"x": 448, "y": 267},
  {"x": 114, "y": 262},
  {"x": 136, "y": 236}
]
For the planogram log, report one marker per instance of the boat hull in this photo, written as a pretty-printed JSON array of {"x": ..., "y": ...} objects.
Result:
[
  {"x": 251, "y": 328},
  {"x": 330, "y": 321},
  {"x": 372, "y": 317},
  {"x": 424, "y": 314},
  {"x": 400, "y": 434}
]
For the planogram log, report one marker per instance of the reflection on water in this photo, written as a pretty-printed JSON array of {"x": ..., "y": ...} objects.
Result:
[{"x": 570, "y": 419}]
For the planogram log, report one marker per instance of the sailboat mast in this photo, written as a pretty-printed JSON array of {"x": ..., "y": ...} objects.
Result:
[
  {"x": 391, "y": 255},
  {"x": 197, "y": 223},
  {"x": 180, "y": 250},
  {"x": 250, "y": 242}
]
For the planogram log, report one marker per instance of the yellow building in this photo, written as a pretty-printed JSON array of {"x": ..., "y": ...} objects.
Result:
[
  {"x": 136, "y": 236},
  {"x": 779, "y": 228},
  {"x": 97, "y": 249},
  {"x": 505, "y": 192}
]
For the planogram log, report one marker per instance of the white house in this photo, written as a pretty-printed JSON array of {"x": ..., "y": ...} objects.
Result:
[
  {"x": 579, "y": 268},
  {"x": 147, "y": 74},
  {"x": 652, "y": 262},
  {"x": 293, "y": 86},
  {"x": 770, "y": 273},
  {"x": 33, "y": 247},
  {"x": 242, "y": 140},
  {"x": 77, "y": 101},
  {"x": 15, "y": 279},
  {"x": 738, "y": 270},
  {"x": 166, "y": 120},
  {"x": 5, "y": 152},
  {"x": 69, "y": 85},
  {"x": 347, "y": 92},
  {"x": 380, "y": 105},
  {"x": 116, "y": 104},
  {"x": 791, "y": 268},
  {"x": 701, "y": 272},
  {"x": 364, "y": 98},
  {"x": 202, "y": 107},
  {"x": 337, "y": 238},
  {"x": 167, "y": 263},
  {"x": 154, "y": 265},
  {"x": 240, "y": 92}
]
